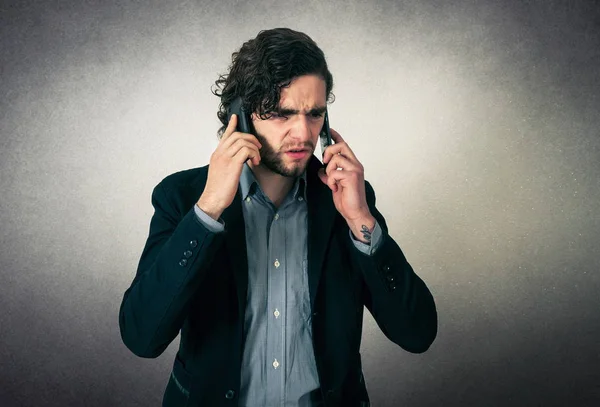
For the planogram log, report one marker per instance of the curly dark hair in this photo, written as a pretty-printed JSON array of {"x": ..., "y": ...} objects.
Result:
[{"x": 263, "y": 66}]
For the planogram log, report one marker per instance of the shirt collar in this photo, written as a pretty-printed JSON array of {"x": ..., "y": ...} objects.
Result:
[{"x": 249, "y": 183}]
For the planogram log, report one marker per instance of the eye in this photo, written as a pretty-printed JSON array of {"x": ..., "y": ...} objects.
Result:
[
  {"x": 316, "y": 115},
  {"x": 278, "y": 116}
]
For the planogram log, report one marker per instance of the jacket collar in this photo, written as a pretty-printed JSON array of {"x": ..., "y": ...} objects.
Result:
[{"x": 249, "y": 183}]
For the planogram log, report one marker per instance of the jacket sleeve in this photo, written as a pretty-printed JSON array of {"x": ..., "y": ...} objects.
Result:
[
  {"x": 398, "y": 299},
  {"x": 176, "y": 257}
]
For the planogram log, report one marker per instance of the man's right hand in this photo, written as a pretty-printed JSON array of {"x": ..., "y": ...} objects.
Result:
[{"x": 225, "y": 168}]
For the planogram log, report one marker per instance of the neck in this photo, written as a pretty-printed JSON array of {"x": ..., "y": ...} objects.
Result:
[{"x": 275, "y": 186}]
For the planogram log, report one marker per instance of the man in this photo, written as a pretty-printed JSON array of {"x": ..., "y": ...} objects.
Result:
[{"x": 264, "y": 260}]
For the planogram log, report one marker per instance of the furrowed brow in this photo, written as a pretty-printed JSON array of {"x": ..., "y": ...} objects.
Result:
[
  {"x": 318, "y": 109},
  {"x": 315, "y": 110}
]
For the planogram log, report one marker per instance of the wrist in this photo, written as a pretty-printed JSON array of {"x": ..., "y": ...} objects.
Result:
[
  {"x": 362, "y": 227},
  {"x": 212, "y": 210}
]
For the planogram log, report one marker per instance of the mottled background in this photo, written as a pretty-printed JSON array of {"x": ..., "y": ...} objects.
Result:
[{"x": 478, "y": 126}]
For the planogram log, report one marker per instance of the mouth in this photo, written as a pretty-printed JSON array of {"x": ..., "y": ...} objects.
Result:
[{"x": 297, "y": 153}]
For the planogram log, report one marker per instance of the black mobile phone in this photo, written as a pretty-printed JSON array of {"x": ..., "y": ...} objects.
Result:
[
  {"x": 237, "y": 107},
  {"x": 325, "y": 135}
]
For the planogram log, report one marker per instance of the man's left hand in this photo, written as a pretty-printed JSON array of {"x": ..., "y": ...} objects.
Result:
[{"x": 348, "y": 183}]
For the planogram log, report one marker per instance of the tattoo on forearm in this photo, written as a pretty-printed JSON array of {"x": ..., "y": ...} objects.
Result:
[{"x": 366, "y": 233}]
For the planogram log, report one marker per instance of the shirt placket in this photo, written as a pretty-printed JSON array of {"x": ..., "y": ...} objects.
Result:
[{"x": 276, "y": 300}]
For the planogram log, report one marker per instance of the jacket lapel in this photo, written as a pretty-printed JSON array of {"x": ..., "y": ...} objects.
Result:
[
  {"x": 235, "y": 240},
  {"x": 321, "y": 217}
]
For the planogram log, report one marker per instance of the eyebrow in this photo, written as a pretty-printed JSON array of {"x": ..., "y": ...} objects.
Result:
[{"x": 285, "y": 111}]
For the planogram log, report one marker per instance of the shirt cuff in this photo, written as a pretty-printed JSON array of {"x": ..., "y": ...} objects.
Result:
[
  {"x": 368, "y": 249},
  {"x": 208, "y": 222}
]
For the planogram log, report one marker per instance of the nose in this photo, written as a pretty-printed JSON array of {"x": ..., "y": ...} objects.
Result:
[{"x": 301, "y": 129}]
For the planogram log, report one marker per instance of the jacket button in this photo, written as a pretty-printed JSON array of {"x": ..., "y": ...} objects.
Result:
[
  {"x": 386, "y": 268},
  {"x": 193, "y": 243},
  {"x": 390, "y": 278},
  {"x": 229, "y": 394},
  {"x": 182, "y": 262},
  {"x": 187, "y": 253}
]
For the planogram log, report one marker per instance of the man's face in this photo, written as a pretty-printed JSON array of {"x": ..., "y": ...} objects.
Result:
[{"x": 302, "y": 107}]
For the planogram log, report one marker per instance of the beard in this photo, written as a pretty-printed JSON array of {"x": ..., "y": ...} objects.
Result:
[{"x": 274, "y": 161}]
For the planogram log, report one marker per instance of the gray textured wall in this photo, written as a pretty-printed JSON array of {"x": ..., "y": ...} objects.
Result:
[{"x": 477, "y": 124}]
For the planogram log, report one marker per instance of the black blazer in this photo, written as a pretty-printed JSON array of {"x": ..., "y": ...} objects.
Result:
[{"x": 192, "y": 281}]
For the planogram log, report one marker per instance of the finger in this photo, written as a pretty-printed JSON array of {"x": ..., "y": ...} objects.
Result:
[
  {"x": 340, "y": 148},
  {"x": 334, "y": 178},
  {"x": 230, "y": 129},
  {"x": 247, "y": 154},
  {"x": 339, "y": 161},
  {"x": 244, "y": 152},
  {"x": 337, "y": 137},
  {"x": 241, "y": 136},
  {"x": 240, "y": 142},
  {"x": 330, "y": 151}
]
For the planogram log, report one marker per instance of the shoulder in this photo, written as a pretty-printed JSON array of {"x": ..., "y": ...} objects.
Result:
[
  {"x": 185, "y": 178},
  {"x": 181, "y": 189}
]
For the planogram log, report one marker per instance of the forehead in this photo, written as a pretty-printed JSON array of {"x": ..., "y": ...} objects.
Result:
[{"x": 304, "y": 92}]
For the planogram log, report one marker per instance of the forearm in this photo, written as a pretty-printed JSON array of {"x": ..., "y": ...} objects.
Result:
[
  {"x": 170, "y": 270},
  {"x": 399, "y": 300}
]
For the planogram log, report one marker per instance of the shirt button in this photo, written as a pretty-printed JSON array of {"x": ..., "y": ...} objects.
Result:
[
  {"x": 276, "y": 263},
  {"x": 300, "y": 198},
  {"x": 229, "y": 394},
  {"x": 276, "y": 216},
  {"x": 275, "y": 364},
  {"x": 248, "y": 199},
  {"x": 276, "y": 313}
]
